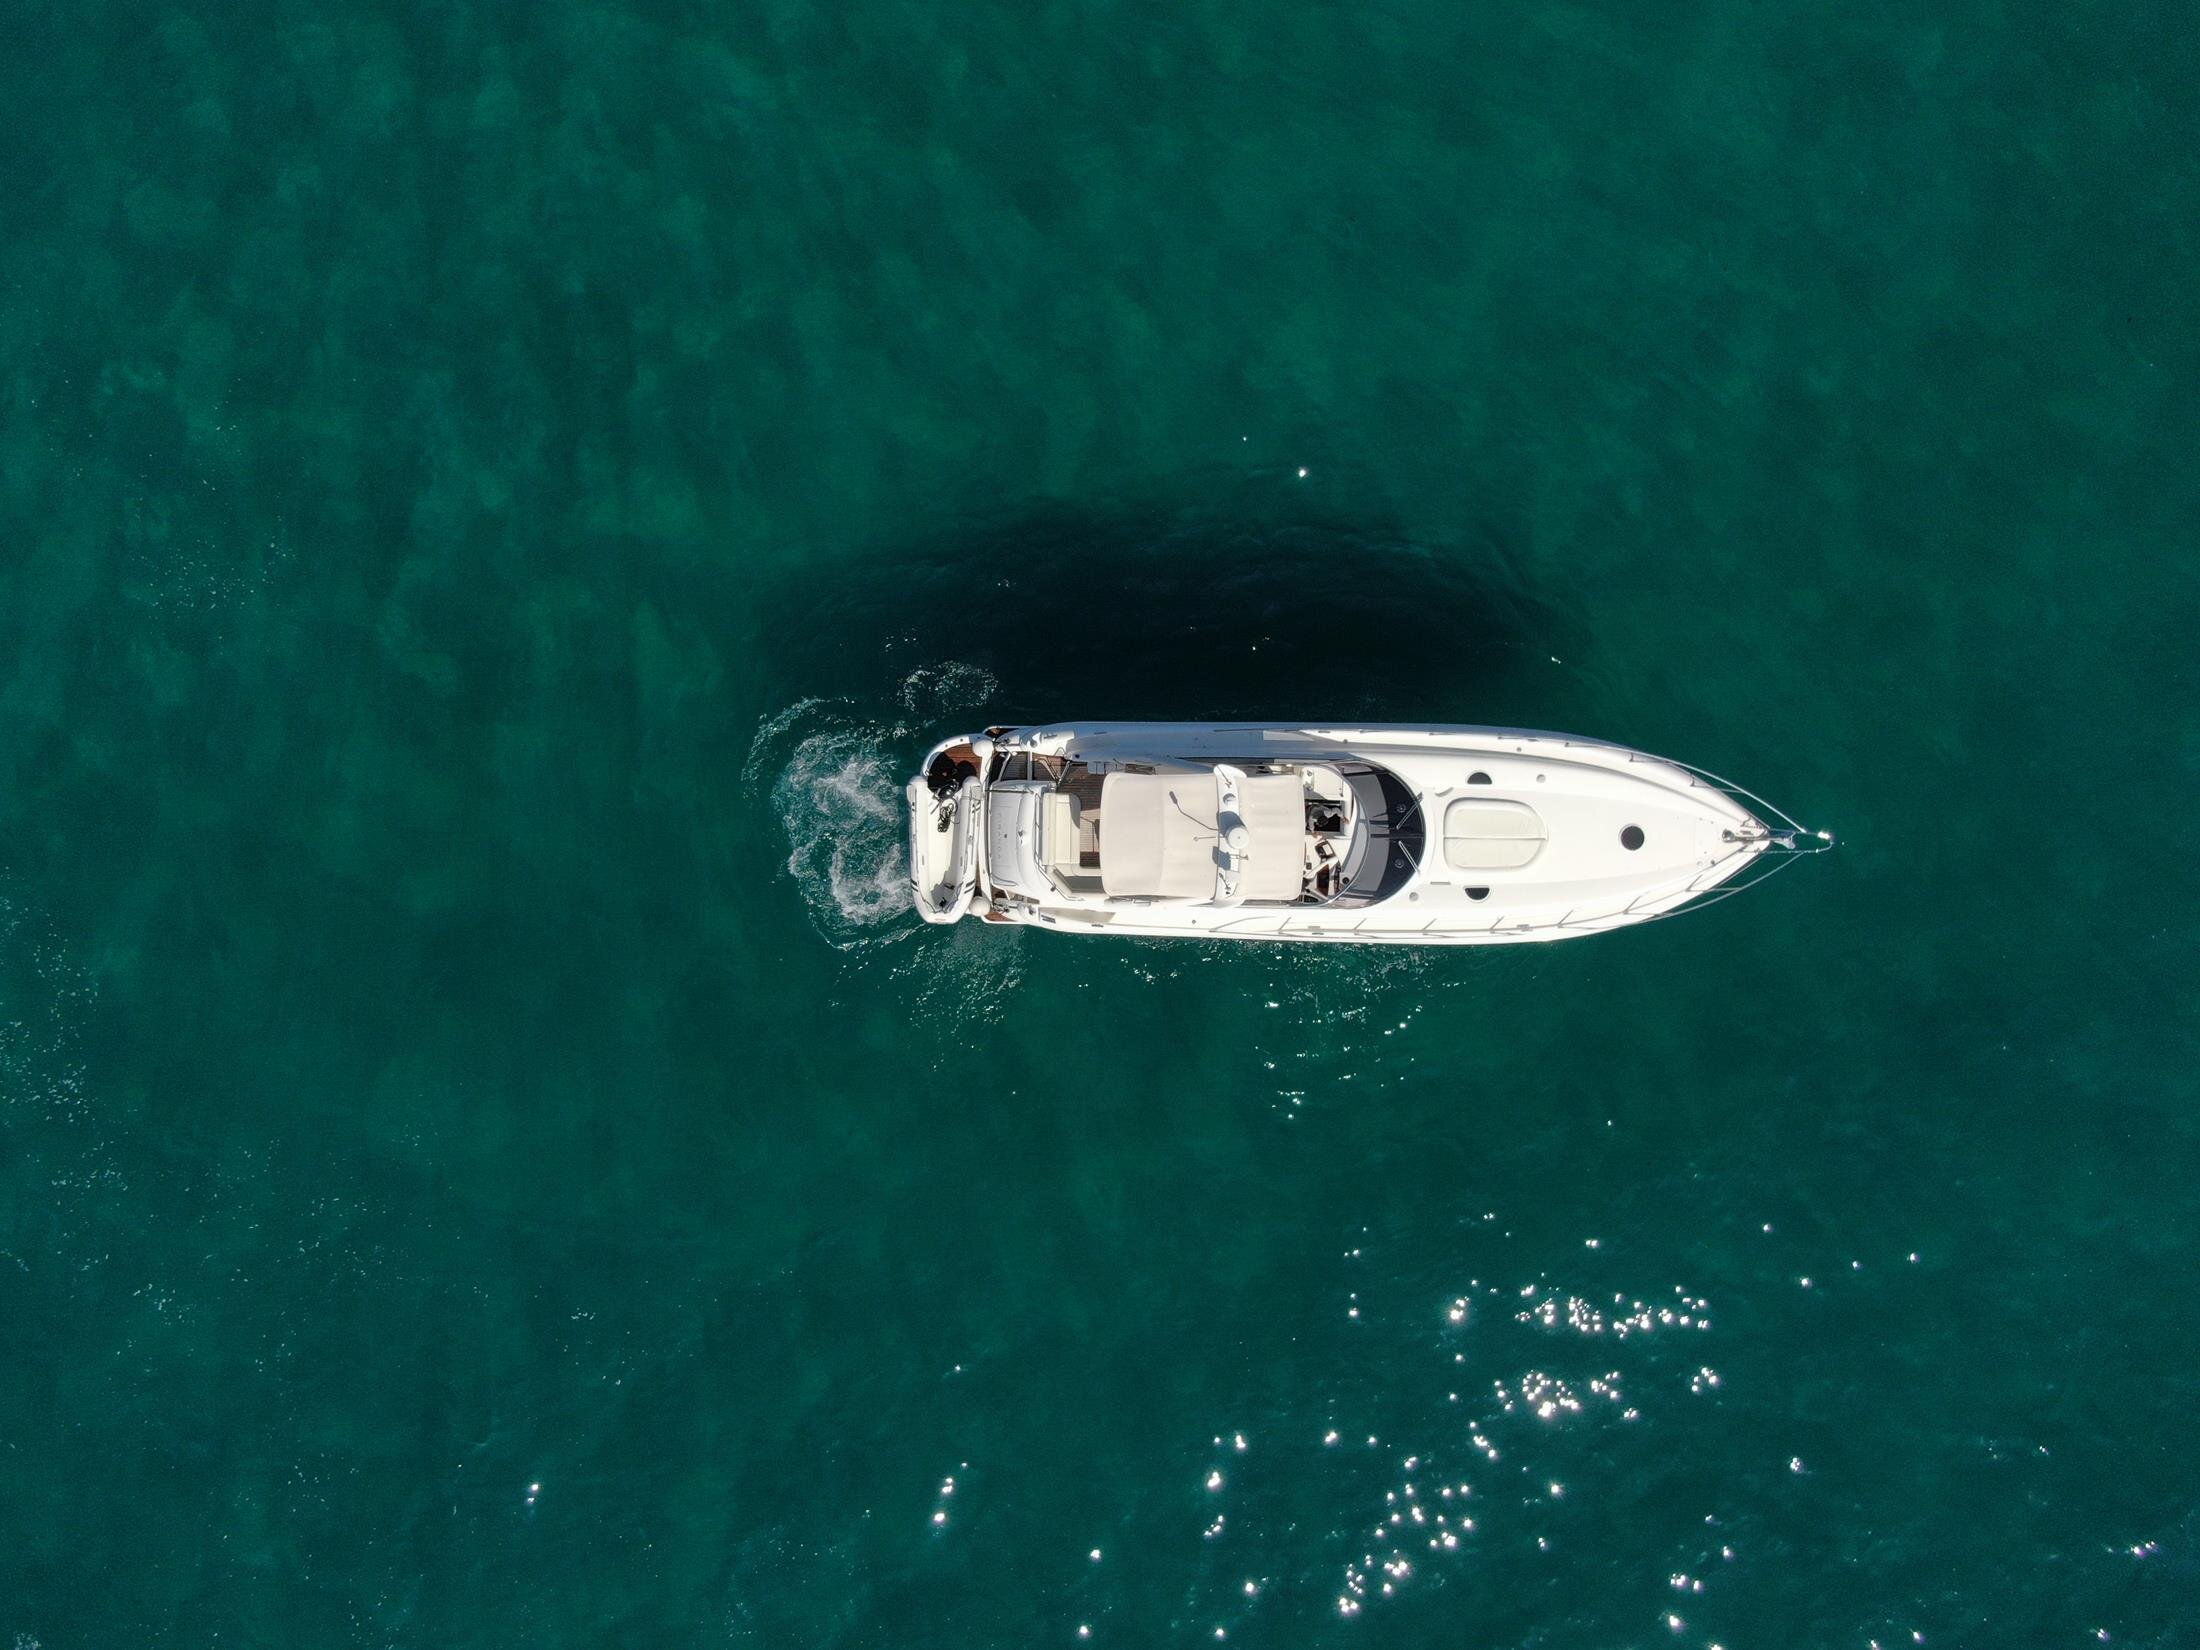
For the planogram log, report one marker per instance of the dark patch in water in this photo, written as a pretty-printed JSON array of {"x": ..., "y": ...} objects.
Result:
[{"x": 1179, "y": 612}]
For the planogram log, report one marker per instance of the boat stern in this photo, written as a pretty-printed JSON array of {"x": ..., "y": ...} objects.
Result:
[{"x": 946, "y": 828}]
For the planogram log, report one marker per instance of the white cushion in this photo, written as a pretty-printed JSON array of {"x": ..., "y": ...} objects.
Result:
[
  {"x": 1058, "y": 830},
  {"x": 1273, "y": 807},
  {"x": 1157, "y": 835}
]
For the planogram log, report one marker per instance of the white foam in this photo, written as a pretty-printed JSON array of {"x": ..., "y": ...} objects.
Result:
[
  {"x": 838, "y": 793},
  {"x": 839, "y": 801},
  {"x": 941, "y": 690},
  {"x": 773, "y": 729}
]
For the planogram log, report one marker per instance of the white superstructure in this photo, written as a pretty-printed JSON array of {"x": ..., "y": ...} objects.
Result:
[{"x": 1401, "y": 835}]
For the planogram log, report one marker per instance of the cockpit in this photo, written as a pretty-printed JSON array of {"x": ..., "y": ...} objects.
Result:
[{"x": 1342, "y": 834}]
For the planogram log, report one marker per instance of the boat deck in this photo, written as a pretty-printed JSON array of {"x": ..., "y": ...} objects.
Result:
[{"x": 1082, "y": 783}]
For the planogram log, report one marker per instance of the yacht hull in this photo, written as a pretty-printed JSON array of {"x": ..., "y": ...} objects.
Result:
[{"x": 1412, "y": 835}]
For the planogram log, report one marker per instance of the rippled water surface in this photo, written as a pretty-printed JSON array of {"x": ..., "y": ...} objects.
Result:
[{"x": 493, "y": 500}]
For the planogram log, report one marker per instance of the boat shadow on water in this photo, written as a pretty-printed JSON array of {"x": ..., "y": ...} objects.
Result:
[{"x": 1163, "y": 613}]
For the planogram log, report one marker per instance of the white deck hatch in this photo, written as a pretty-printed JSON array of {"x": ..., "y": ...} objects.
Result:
[{"x": 1488, "y": 833}]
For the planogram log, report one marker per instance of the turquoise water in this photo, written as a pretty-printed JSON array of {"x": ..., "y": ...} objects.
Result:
[{"x": 493, "y": 498}]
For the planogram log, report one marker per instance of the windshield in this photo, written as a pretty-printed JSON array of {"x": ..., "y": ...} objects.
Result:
[{"x": 1387, "y": 846}]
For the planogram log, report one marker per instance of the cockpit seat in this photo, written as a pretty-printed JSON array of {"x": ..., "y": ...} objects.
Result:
[{"x": 1061, "y": 823}]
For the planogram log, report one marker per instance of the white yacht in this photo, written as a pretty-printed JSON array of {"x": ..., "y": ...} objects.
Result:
[{"x": 1379, "y": 835}]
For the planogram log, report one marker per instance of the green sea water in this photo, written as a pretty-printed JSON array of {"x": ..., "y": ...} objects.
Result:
[{"x": 494, "y": 497}]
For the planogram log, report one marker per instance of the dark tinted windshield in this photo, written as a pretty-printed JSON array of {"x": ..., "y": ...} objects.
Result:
[{"x": 1385, "y": 854}]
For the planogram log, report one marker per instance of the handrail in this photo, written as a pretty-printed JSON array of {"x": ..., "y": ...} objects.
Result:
[{"x": 1728, "y": 787}]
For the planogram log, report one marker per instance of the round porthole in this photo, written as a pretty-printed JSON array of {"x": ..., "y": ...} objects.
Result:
[
  {"x": 1631, "y": 838},
  {"x": 1478, "y": 778},
  {"x": 1478, "y": 893}
]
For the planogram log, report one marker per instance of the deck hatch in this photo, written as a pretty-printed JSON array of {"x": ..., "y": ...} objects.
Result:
[{"x": 1488, "y": 833}]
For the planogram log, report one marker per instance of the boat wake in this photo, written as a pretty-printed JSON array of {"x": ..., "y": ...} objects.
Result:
[
  {"x": 839, "y": 801},
  {"x": 835, "y": 776}
]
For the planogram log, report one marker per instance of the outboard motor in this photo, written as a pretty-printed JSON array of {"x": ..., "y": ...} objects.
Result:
[{"x": 949, "y": 769}]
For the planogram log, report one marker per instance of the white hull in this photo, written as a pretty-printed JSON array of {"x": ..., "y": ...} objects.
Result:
[{"x": 1398, "y": 836}]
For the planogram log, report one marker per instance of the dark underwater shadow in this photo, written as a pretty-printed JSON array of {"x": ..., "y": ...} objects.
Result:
[{"x": 1220, "y": 609}]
